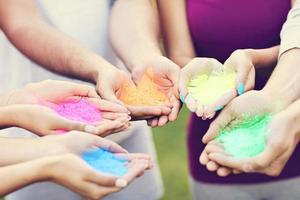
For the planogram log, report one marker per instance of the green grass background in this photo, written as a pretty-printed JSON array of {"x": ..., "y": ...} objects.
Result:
[{"x": 171, "y": 149}]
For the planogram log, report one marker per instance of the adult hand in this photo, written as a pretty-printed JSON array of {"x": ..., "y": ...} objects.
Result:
[
  {"x": 239, "y": 62},
  {"x": 282, "y": 139},
  {"x": 72, "y": 172},
  {"x": 166, "y": 77},
  {"x": 44, "y": 121},
  {"x": 109, "y": 85},
  {"x": 251, "y": 103},
  {"x": 53, "y": 91}
]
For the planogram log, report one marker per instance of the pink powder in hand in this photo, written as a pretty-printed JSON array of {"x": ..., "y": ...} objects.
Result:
[{"x": 80, "y": 110}]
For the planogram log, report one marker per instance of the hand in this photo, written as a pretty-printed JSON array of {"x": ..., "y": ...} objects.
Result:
[
  {"x": 110, "y": 87},
  {"x": 239, "y": 62},
  {"x": 251, "y": 103},
  {"x": 72, "y": 172},
  {"x": 166, "y": 76},
  {"x": 282, "y": 139},
  {"x": 44, "y": 121}
]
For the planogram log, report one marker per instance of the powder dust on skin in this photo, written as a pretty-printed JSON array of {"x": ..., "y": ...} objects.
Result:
[
  {"x": 245, "y": 138},
  {"x": 106, "y": 162},
  {"x": 80, "y": 110},
  {"x": 146, "y": 93},
  {"x": 207, "y": 89},
  {"x": 83, "y": 111}
]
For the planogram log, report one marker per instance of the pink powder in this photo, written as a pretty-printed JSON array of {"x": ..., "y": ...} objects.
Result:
[{"x": 80, "y": 110}]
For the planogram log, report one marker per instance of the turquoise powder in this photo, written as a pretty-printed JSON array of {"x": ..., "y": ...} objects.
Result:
[
  {"x": 106, "y": 162},
  {"x": 246, "y": 138}
]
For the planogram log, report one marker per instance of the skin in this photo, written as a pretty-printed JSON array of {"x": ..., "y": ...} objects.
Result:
[
  {"x": 58, "y": 163},
  {"x": 20, "y": 104},
  {"x": 26, "y": 29},
  {"x": 180, "y": 49},
  {"x": 284, "y": 88},
  {"x": 145, "y": 51}
]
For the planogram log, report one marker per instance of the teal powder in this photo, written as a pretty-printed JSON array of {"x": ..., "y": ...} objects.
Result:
[
  {"x": 246, "y": 138},
  {"x": 106, "y": 162}
]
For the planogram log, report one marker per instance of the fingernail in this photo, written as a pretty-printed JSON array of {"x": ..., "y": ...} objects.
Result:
[
  {"x": 218, "y": 108},
  {"x": 121, "y": 183},
  {"x": 90, "y": 129},
  {"x": 182, "y": 98},
  {"x": 240, "y": 88}
]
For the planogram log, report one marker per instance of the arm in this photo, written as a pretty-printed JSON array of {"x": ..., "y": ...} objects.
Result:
[
  {"x": 25, "y": 27},
  {"x": 177, "y": 38}
]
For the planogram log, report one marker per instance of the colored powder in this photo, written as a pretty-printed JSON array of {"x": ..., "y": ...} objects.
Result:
[
  {"x": 246, "y": 138},
  {"x": 106, "y": 162},
  {"x": 208, "y": 89},
  {"x": 80, "y": 110},
  {"x": 146, "y": 93}
]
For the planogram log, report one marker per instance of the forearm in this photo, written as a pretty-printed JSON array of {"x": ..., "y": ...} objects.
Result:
[
  {"x": 14, "y": 177},
  {"x": 284, "y": 81},
  {"x": 177, "y": 38},
  {"x": 264, "y": 57},
  {"x": 134, "y": 31},
  {"x": 16, "y": 150},
  {"x": 26, "y": 29}
]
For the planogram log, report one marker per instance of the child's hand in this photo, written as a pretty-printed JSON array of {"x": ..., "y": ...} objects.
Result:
[
  {"x": 72, "y": 172},
  {"x": 44, "y": 121},
  {"x": 166, "y": 77}
]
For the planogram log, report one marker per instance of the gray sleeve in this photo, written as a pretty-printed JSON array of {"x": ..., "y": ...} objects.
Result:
[{"x": 290, "y": 33}]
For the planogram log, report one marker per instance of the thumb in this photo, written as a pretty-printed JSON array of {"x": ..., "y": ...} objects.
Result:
[
  {"x": 108, "y": 93},
  {"x": 223, "y": 120},
  {"x": 182, "y": 86},
  {"x": 66, "y": 124}
]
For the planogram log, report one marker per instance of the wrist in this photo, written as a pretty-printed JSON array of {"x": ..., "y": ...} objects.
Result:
[
  {"x": 280, "y": 97},
  {"x": 50, "y": 167}
]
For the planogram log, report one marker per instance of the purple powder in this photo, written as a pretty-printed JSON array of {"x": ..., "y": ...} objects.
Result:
[{"x": 81, "y": 110}]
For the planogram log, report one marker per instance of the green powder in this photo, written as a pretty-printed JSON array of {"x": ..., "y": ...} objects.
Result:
[
  {"x": 209, "y": 88},
  {"x": 246, "y": 138}
]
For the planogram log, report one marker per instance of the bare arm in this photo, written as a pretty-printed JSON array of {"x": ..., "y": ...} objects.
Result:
[
  {"x": 177, "y": 36},
  {"x": 24, "y": 26},
  {"x": 134, "y": 31}
]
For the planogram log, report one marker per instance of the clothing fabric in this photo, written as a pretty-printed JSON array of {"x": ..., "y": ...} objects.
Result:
[
  {"x": 217, "y": 29},
  {"x": 86, "y": 21},
  {"x": 286, "y": 189},
  {"x": 291, "y": 30}
]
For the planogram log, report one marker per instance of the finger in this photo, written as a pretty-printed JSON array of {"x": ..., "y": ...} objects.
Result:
[
  {"x": 113, "y": 115},
  {"x": 104, "y": 105},
  {"x": 84, "y": 90},
  {"x": 236, "y": 171},
  {"x": 176, "y": 108},
  {"x": 191, "y": 103},
  {"x": 221, "y": 102},
  {"x": 102, "y": 179},
  {"x": 162, "y": 121},
  {"x": 182, "y": 85},
  {"x": 147, "y": 112},
  {"x": 109, "y": 145},
  {"x": 203, "y": 159},
  {"x": 109, "y": 126},
  {"x": 251, "y": 80},
  {"x": 154, "y": 122},
  {"x": 228, "y": 161},
  {"x": 223, "y": 171},
  {"x": 212, "y": 166},
  {"x": 199, "y": 110},
  {"x": 134, "y": 170},
  {"x": 224, "y": 118},
  {"x": 133, "y": 156},
  {"x": 61, "y": 123},
  {"x": 108, "y": 93}
]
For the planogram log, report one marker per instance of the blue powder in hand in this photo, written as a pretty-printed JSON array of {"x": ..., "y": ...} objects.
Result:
[{"x": 106, "y": 162}]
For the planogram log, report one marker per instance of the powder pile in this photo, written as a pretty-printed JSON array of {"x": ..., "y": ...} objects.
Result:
[
  {"x": 146, "y": 93},
  {"x": 106, "y": 162},
  {"x": 246, "y": 138},
  {"x": 80, "y": 110},
  {"x": 209, "y": 88}
]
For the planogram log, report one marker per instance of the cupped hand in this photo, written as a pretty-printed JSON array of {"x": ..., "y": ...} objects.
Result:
[
  {"x": 110, "y": 84},
  {"x": 281, "y": 140},
  {"x": 250, "y": 103},
  {"x": 166, "y": 77},
  {"x": 44, "y": 121}
]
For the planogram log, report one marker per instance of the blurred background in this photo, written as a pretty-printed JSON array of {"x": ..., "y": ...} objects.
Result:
[{"x": 170, "y": 142}]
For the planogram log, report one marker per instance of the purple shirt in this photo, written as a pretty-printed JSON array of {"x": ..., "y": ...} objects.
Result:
[{"x": 218, "y": 27}]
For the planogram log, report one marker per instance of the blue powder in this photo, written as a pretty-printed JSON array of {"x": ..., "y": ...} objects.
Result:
[{"x": 106, "y": 162}]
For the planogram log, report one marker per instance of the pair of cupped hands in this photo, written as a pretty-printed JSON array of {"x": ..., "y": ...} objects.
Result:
[{"x": 24, "y": 108}]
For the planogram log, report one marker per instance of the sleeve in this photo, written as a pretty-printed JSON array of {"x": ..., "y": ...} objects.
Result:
[{"x": 290, "y": 33}]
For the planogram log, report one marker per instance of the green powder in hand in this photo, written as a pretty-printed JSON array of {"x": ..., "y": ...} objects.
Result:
[
  {"x": 246, "y": 138},
  {"x": 209, "y": 88}
]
